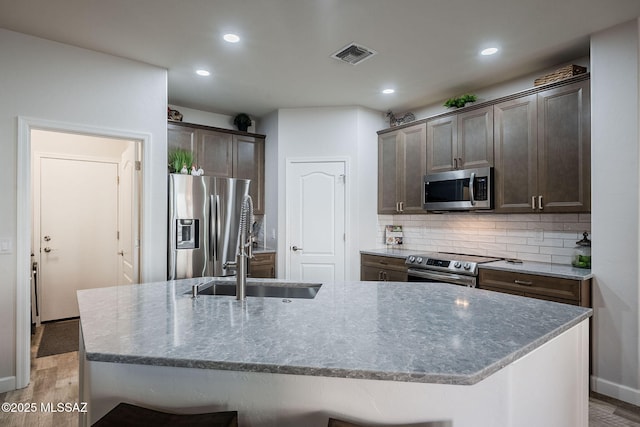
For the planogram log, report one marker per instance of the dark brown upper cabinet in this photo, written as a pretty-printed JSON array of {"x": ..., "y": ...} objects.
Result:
[
  {"x": 460, "y": 140},
  {"x": 542, "y": 151},
  {"x": 224, "y": 153},
  {"x": 401, "y": 168}
]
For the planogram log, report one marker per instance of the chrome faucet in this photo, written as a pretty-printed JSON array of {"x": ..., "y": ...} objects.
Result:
[{"x": 245, "y": 248}]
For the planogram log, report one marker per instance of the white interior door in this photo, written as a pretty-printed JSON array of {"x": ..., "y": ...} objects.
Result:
[
  {"x": 316, "y": 220},
  {"x": 128, "y": 241},
  {"x": 78, "y": 231}
]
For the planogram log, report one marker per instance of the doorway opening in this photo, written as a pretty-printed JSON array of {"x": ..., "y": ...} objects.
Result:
[
  {"x": 138, "y": 143},
  {"x": 85, "y": 206}
]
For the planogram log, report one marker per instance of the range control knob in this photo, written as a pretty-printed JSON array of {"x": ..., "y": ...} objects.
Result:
[
  {"x": 412, "y": 258},
  {"x": 467, "y": 266},
  {"x": 457, "y": 264},
  {"x": 419, "y": 260}
]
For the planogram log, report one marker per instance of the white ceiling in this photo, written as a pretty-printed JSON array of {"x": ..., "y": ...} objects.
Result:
[{"x": 427, "y": 49}]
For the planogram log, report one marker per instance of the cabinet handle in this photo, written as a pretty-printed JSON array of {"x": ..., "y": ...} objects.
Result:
[
  {"x": 455, "y": 163},
  {"x": 384, "y": 276},
  {"x": 523, "y": 282},
  {"x": 397, "y": 206},
  {"x": 540, "y": 202},
  {"x": 401, "y": 207},
  {"x": 533, "y": 203}
]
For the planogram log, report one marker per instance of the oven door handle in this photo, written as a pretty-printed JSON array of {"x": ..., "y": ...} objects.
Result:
[{"x": 445, "y": 278}]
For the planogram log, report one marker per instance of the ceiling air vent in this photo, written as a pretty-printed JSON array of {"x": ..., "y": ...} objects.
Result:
[{"x": 354, "y": 53}]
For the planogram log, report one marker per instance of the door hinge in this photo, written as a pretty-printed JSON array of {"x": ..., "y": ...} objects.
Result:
[{"x": 138, "y": 165}]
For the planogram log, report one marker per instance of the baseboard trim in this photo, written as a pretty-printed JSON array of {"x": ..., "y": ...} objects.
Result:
[
  {"x": 617, "y": 391},
  {"x": 7, "y": 384}
]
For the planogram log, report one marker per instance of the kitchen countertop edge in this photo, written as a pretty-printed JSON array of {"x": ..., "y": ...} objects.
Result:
[
  {"x": 450, "y": 379},
  {"x": 560, "y": 271},
  {"x": 391, "y": 251}
]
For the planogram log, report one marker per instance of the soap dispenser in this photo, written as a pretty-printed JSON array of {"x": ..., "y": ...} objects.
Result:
[{"x": 582, "y": 252}]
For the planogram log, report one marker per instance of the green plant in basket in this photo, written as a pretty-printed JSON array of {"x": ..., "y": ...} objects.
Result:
[
  {"x": 178, "y": 159},
  {"x": 460, "y": 101}
]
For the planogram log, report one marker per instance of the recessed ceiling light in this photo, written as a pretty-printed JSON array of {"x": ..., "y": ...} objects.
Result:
[
  {"x": 489, "y": 51},
  {"x": 231, "y": 38},
  {"x": 387, "y": 91},
  {"x": 203, "y": 73}
]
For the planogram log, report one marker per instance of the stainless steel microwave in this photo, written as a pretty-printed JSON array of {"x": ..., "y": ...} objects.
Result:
[{"x": 459, "y": 190}]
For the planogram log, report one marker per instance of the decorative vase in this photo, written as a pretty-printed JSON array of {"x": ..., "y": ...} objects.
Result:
[{"x": 242, "y": 121}]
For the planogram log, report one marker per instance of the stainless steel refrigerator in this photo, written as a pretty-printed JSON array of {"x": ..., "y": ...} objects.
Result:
[{"x": 204, "y": 221}]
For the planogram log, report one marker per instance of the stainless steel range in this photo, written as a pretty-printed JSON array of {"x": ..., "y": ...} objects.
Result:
[{"x": 445, "y": 267}]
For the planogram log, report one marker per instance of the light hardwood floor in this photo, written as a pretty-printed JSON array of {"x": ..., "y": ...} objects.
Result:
[{"x": 54, "y": 379}]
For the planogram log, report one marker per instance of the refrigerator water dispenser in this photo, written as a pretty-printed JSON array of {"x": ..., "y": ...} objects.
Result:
[{"x": 187, "y": 234}]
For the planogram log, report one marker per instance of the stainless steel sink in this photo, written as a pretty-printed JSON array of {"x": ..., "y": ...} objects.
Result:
[{"x": 263, "y": 289}]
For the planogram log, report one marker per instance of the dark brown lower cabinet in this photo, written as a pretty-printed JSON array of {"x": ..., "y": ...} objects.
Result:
[
  {"x": 568, "y": 291},
  {"x": 263, "y": 266},
  {"x": 377, "y": 268}
]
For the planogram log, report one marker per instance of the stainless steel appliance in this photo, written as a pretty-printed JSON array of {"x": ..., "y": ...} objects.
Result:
[
  {"x": 460, "y": 190},
  {"x": 445, "y": 267},
  {"x": 204, "y": 225}
]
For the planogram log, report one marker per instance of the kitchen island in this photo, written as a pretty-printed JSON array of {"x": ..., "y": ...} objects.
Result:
[{"x": 375, "y": 352}]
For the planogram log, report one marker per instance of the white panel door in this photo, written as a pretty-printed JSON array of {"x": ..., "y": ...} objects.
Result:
[
  {"x": 78, "y": 230},
  {"x": 128, "y": 240},
  {"x": 316, "y": 220}
]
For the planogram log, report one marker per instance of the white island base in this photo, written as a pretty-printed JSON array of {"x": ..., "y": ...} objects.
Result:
[{"x": 547, "y": 387}]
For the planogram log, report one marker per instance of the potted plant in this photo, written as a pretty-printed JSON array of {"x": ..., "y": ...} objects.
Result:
[
  {"x": 179, "y": 160},
  {"x": 242, "y": 121},
  {"x": 459, "y": 101}
]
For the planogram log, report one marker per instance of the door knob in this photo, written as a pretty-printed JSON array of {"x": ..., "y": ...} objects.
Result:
[
  {"x": 47, "y": 249},
  {"x": 295, "y": 248}
]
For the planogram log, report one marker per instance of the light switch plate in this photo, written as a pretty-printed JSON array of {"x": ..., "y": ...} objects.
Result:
[{"x": 6, "y": 245}]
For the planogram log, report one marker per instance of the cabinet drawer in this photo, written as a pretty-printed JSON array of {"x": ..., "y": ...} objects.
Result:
[
  {"x": 384, "y": 262},
  {"x": 544, "y": 287},
  {"x": 263, "y": 265}
]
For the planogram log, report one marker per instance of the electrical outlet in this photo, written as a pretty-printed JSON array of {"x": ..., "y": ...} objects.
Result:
[{"x": 6, "y": 245}]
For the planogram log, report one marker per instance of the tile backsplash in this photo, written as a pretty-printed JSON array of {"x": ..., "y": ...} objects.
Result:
[{"x": 530, "y": 237}]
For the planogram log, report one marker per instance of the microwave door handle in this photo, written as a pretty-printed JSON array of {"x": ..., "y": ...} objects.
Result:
[{"x": 471, "y": 197}]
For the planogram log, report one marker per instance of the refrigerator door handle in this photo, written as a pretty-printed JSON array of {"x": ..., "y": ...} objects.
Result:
[{"x": 215, "y": 229}]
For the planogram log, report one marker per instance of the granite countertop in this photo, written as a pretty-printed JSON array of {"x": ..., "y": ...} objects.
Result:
[
  {"x": 431, "y": 333},
  {"x": 390, "y": 251},
  {"x": 542, "y": 268}
]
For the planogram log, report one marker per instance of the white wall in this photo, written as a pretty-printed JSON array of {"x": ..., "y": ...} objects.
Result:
[
  {"x": 189, "y": 115},
  {"x": 269, "y": 126},
  {"x": 501, "y": 89},
  {"x": 51, "y": 81},
  {"x": 615, "y": 138},
  {"x": 73, "y": 144},
  {"x": 348, "y": 132}
]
